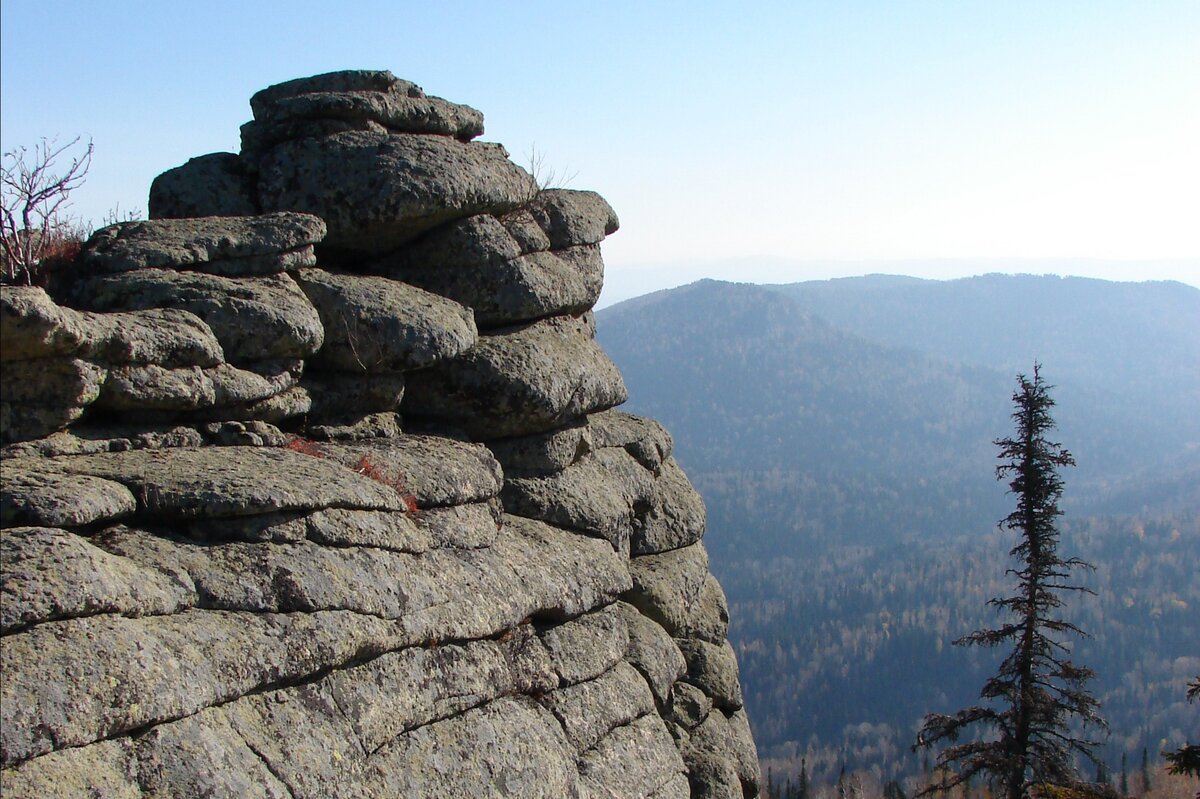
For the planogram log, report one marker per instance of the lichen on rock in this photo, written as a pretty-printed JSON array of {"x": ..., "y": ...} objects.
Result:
[{"x": 335, "y": 501}]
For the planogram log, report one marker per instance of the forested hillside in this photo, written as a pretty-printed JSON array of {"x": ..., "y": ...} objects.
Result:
[{"x": 841, "y": 433}]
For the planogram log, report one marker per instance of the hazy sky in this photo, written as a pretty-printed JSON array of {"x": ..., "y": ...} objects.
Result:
[{"x": 767, "y": 141}]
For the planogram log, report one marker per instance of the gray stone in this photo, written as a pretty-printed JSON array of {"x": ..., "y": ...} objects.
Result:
[
  {"x": 584, "y": 648},
  {"x": 524, "y": 230},
  {"x": 348, "y": 397},
  {"x": 324, "y": 760},
  {"x": 543, "y": 453},
  {"x": 50, "y": 574},
  {"x": 165, "y": 337},
  {"x": 667, "y": 585},
  {"x": 33, "y": 326},
  {"x": 590, "y": 710},
  {"x": 393, "y": 693},
  {"x": 471, "y": 526},
  {"x": 475, "y": 243},
  {"x": 88, "y": 439},
  {"x": 217, "y": 184},
  {"x": 225, "y": 245},
  {"x": 644, "y": 438},
  {"x": 713, "y": 669},
  {"x": 675, "y": 518},
  {"x": 443, "y": 594},
  {"x": 20, "y": 422},
  {"x": 637, "y": 759},
  {"x": 377, "y": 191},
  {"x": 232, "y": 481},
  {"x": 274, "y": 409},
  {"x": 372, "y": 425},
  {"x": 571, "y": 218},
  {"x": 525, "y": 380},
  {"x": 362, "y": 100},
  {"x": 368, "y": 528},
  {"x": 509, "y": 747},
  {"x": 436, "y": 471},
  {"x": 32, "y": 493},
  {"x": 57, "y": 382},
  {"x": 77, "y": 681},
  {"x": 599, "y": 495},
  {"x": 708, "y": 616},
  {"x": 103, "y": 770},
  {"x": 253, "y": 318},
  {"x": 721, "y": 757},
  {"x": 653, "y": 652},
  {"x": 688, "y": 706},
  {"x": 204, "y": 755},
  {"x": 373, "y": 324},
  {"x": 153, "y": 387},
  {"x": 519, "y": 289}
]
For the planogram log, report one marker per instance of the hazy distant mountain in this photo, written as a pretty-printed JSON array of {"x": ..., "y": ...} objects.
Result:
[
  {"x": 907, "y": 382},
  {"x": 841, "y": 432}
]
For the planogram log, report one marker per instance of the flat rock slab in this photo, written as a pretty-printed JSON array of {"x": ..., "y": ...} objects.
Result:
[
  {"x": 77, "y": 681},
  {"x": 720, "y": 754},
  {"x": 570, "y": 218},
  {"x": 377, "y": 191},
  {"x": 34, "y": 493},
  {"x": 525, "y": 380},
  {"x": 584, "y": 648},
  {"x": 361, "y": 99},
  {"x": 373, "y": 324},
  {"x": 436, "y": 471},
  {"x": 521, "y": 289},
  {"x": 50, "y": 574},
  {"x": 232, "y": 481},
  {"x": 34, "y": 326},
  {"x": 644, "y": 438},
  {"x": 244, "y": 245},
  {"x": 157, "y": 388},
  {"x": 600, "y": 494},
  {"x": 543, "y": 453},
  {"x": 253, "y": 318}
]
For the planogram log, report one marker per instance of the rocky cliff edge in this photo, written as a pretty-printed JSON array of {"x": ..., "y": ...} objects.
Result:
[{"x": 313, "y": 486}]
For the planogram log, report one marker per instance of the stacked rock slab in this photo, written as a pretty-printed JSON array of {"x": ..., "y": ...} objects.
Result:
[{"x": 314, "y": 486}]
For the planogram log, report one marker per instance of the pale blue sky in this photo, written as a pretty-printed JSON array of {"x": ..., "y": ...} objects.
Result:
[{"x": 773, "y": 142}]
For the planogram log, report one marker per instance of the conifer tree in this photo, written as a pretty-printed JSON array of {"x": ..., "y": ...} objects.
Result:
[{"x": 1038, "y": 693}]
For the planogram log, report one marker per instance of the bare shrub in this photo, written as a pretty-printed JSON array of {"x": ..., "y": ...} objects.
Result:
[{"x": 35, "y": 191}]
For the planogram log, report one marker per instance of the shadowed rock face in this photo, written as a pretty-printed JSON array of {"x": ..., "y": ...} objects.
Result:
[{"x": 277, "y": 526}]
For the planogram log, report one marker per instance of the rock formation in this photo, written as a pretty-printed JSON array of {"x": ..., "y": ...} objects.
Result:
[{"x": 230, "y": 570}]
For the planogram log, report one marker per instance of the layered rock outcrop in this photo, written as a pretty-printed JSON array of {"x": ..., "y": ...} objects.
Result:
[{"x": 314, "y": 486}]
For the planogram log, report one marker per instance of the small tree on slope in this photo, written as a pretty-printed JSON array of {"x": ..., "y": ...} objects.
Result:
[{"x": 1038, "y": 695}]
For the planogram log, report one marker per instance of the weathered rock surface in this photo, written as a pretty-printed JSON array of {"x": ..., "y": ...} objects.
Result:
[
  {"x": 217, "y": 184},
  {"x": 238, "y": 246},
  {"x": 526, "y": 380},
  {"x": 352, "y": 100},
  {"x": 373, "y": 324},
  {"x": 253, "y": 318},
  {"x": 377, "y": 191},
  {"x": 251, "y": 544}
]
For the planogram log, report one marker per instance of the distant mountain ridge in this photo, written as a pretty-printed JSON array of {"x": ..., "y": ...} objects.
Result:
[
  {"x": 842, "y": 433},
  {"x": 890, "y": 356}
]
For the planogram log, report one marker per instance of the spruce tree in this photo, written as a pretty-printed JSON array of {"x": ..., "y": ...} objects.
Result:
[{"x": 1038, "y": 694}]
